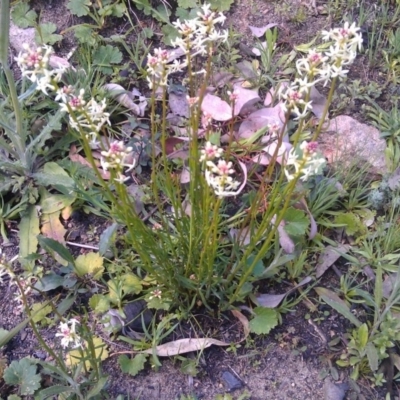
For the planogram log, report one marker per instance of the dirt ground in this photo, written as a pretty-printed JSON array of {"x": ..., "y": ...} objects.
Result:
[{"x": 288, "y": 364}]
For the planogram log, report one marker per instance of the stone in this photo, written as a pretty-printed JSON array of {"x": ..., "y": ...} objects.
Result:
[{"x": 347, "y": 141}]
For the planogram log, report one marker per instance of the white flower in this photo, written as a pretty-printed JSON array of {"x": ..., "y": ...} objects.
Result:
[
  {"x": 67, "y": 332},
  {"x": 210, "y": 152}
]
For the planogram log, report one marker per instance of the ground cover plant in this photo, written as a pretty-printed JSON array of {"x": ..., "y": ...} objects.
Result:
[{"x": 214, "y": 190}]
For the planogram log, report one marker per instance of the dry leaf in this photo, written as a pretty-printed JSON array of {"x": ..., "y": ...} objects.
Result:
[
  {"x": 329, "y": 256},
  {"x": 246, "y": 98},
  {"x": 260, "y": 31},
  {"x": 81, "y": 160},
  {"x": 217, "y": 108},
  {"x": 123, "y": 97},
  {"x": 182, "y": 346}
]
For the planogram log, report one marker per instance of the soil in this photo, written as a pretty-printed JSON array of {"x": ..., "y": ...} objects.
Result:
[{"x": 292, "y": 362}]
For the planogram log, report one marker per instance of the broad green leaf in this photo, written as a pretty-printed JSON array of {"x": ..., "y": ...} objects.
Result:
[
  {"x": 264, "y": 320},
  {"x": 352, "y": 224},
  {"x": 49, "y": 282},
  {"x": 28, "y": 232},
  {"x": 170, "y": 33},
  {"x": 23, "y": 16},
  {"x": 337, "y": 303},
  {"x": 258, "y": 268},
  {"x": 132, "y": 366},
  {"x": 131, "y": 284},
  {"x": 84, "y": 34},
  {"x": 79, "y": 8},
  {"x": 105, "y": 56},
  {"x": 52, "y": 246},
  {"x": 23, "y": 373},
  {"x": 40, "y": 311},
  {"x": 373, "y": 357},
  {"x": 45, "y": 34},
  {"x": 55, "y": 202},
  {"x": 296, "y": 222},
  {"x": 107, "y": 238},
  {"x": 90, "y": 263},
  {"x": 53, "y": 175},
  {"x": 99, "y": 303},
  {"x": 187, "y": 3},
  {"x": 221, "y": 5},
  {"x": 362, "y": 334}
]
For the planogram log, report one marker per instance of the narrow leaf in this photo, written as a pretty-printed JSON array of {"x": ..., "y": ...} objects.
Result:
[
  {"x": 337, "y": 303},
  {"x": 28, "y": 231}
]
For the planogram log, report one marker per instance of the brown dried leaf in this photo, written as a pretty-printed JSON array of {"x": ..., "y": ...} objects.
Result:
[{"x": 52, "y": 227}]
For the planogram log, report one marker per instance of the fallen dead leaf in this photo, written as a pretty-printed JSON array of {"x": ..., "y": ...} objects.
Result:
[{"x": 217, "y": 108}]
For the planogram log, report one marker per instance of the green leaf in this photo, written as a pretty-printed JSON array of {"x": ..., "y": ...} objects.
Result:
[
  {"x": 104, "y": 56},
  {"x": 373, "y": 357},
  {"x": 41, "y": 312},
  {"x": 296, "y": 222},
  {"x": 80, "y": 8},
  {"x": 52, "y": 391},
  {"x": 90, "y": 263},
  {"x": 131, "y": 284},
  {"x": 99, "y": 303},
  {"x": 352, "y": 224},
  {"x": 221, "y": 5},
  {"x": 51, "y": 246},
  {"x": 107, "y": 238},
  {"x": 363, "y": 335},
  {"x": 169, "y": 34},
  {"x": 265, "y": 319},
  {"x": 45, "y": 34},
  {"x": 55, "y": 202},
  {"x": 23, "y": 373},
  {"x": 84, "y": 34},
  {"x": 23, "y": 16},
  {"x": 132, "y": 366},
  {"x": 28, "y": 232},
  {"x": 49, "y": 282},
  {"x": 337, "y": 303},
  {"x": 98, "y": 387},
  {"x": 54, "y": 175},
  {"x": 187, "y": 3}
]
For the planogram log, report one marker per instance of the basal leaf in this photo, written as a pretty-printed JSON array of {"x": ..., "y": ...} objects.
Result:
[
  {"x": 337, "y": 303},
  {"x": 55, "y": 202},
  {"x": 40, "y": 311},
  {"x": 296, "y": 222},
  {"x": 52, "y": 246},
  {"x": 221, "y": 5},
  {"x": 131, "y": 284},
  {"x": 84, "y": 34},
  {"x": 23, "y": 373},
  {"x": 132, "y": 366},
  {"x": 45, "y": 34},
  {"x": 28, "y": 231},
  {"x": 187, "y": 3},
  {"x": 106, "y": 238},
  {"x": 79, "y": 8},
  {"x": 105, "y": 56},
  {"x": 264, "y": 320},
  {"x": 53, "y": 228},
  {"x": 74, "y": 357},
  {"x": 90, "y": 263},
  {"x": 23, "y": 16}
]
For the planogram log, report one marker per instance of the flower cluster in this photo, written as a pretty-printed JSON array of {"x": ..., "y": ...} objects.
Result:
[
  {"x": 306, "y": 161},
  {"x": 34, "y": 64},
  {"x": 115, "y": 159},
  {"x": 321, "y": 67},
  {"x": 218, "y": 175},
  {"x": 68, "y": 333},
  {"x": 90, "y": 116},
  {"x": 196, "y": 34}
]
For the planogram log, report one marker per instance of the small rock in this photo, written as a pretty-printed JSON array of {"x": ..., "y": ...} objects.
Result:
[
  {"x": 334, "y": 391},
  {"x": 231, "y": 381},
  {"x": 19, "y": 36},
  {"x": 348, "y": 141},
  {"x": 134, "y": 313}
]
